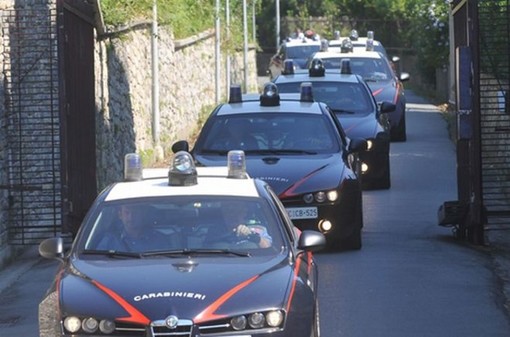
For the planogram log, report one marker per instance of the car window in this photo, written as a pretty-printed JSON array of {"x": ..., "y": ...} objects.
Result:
[
  {"x": 368, "y": 68},
  {"x": 301, "y": 51},
  {"x": 292, "y": 132},
  {"x": 352, "y": 98},
  {"x": 182, "y": 222}
]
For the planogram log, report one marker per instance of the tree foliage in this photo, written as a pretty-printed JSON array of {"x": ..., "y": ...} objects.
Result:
[{"x": 413, "y": 25}]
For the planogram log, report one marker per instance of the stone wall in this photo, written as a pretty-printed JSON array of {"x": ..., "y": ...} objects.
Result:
[{"x": 186, "y": 92}]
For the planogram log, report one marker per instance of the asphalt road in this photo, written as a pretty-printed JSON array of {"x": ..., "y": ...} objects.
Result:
[{"x": 411, "y": 278}]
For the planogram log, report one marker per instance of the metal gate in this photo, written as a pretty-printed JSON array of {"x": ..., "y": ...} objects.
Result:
[
  {"x": 30, "y": 67},
  {"x": 494, "y": 95}
]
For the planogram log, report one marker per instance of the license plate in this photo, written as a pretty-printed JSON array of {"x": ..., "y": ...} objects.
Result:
[{"x": 302, "y": 212}]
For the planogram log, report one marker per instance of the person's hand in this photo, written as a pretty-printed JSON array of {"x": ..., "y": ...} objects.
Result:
[{"x": 243, "y": 230}]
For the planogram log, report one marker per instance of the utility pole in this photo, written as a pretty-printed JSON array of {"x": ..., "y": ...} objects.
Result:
[
  {"x": 217, "y": 52},
  {"x": 245, "y": 56},
  {"x": 227, "y": 58},
  {"x": 277, "y": 24},
  {"x": 155, "y": 82}
]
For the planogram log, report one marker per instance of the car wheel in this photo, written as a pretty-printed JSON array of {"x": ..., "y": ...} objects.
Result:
[
  {"x": 316, "y": 330},
  {"x": 353, "y": 242},
  {"x": 385, "y": 182},
  {"x": 398, "y": 134}
]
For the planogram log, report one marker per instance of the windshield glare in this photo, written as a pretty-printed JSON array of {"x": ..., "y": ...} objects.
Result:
[
  {"x": 298, "y": 133},
  {"x": 368, "y": 68},
  {"x": 348, "y": 97},
  {"x": 183, "y": 224}
]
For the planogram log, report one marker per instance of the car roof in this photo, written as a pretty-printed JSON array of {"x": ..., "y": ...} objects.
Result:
[
  {"x": 287, "y": 105},
  {"x": 301, "y": 42},
  {"x": 155, "y": 184},
  {"x": 329, "y": 75},
  {"x": 359, "y": 42},
  {"x": 353, "y": 54}
]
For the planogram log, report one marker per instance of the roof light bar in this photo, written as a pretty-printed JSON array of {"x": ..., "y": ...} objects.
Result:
[
  {"x": 288, "y": 67},
  {"x": 132, "y": 167},
  {"x": 346, "y": 67},
  {"x": 317, "y": 68},
  {"x": 370, "y": 40},
  {"x": 306, "y": 92},
  {"x": 183, "y": 171},
  {"x": 270, "y": 95},
  {"x": 235, "y": 94},
  {"x": 236, "y": 162}
]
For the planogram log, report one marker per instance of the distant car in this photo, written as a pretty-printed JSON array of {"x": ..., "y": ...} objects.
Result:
[
  {"x": 187, "y": 273},
  {"x": 380, "y": 77},
  {"x": 297, "y": 49},
  {"x": 298, "y": 147},
  {"x": 352, "y": 101}
]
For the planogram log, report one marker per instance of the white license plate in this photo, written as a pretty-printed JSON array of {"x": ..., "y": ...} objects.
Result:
[{"x": 302, "y": 212}]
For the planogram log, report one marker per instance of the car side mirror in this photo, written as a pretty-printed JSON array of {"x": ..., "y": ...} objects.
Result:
[
  {"x": 181, "y": 145},
  {"x": 387, "y": 107},
  {"x": 52, "y": 248},
  {"x": 405, "y": 77},
  {"x": 358, "y": 145},
  {"x": 311, "y": 240}
]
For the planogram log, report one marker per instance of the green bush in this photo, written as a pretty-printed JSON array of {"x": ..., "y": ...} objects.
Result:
[{"x": 186, "y": 17}]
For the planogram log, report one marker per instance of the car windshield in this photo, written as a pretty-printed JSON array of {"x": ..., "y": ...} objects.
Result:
[
  {"x": 173, "y": 226},
  {"x": 272, "y": 133},
  {"x": 371, "y": 69},
  {"x": 348, "y": 98},
  {"x": 301, "y": 51}
]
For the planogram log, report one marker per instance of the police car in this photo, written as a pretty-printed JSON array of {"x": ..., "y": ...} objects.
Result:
[
  {"x": 297, "y": 49},
  {"x": 352, "y": 101},
  {"x": 377, "y": 71},
  {"x": 189, "y": 271},
  {"x": 357, "y": 43},
  {"x": 298, "y": 147}
]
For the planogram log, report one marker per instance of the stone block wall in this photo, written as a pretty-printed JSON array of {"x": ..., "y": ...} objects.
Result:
[{"x": 186, "y": 92}]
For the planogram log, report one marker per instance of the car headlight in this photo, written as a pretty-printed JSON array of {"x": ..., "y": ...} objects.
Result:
[
  {"x": 239, "y": 323},
  {"x": 370, "y": 144},
  {"x": 258, "y": 320},
  {"x": 73, "y": 324},
  {"x": 89, "y": 325},
  {"x": 274, "y": 318},
  {"x": 321, "y": 196}
]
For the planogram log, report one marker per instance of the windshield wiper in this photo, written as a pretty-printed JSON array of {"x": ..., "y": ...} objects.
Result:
[
  {"x": 219, "y": 152},
  {"x": 343, "y": 111},
  {"x": 281, "y": 151},
  {"x": 179, "y": 252},
  {"x": 112, "y": 253}
]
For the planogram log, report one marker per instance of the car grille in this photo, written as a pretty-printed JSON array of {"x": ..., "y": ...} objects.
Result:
[{"x": 183, "y": 329}]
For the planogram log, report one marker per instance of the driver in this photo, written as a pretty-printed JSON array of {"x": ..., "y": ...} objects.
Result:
[{"x": 239, "y": 230}]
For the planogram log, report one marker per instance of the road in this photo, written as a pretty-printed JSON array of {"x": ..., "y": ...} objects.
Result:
[{"x": 411, "y": 278}]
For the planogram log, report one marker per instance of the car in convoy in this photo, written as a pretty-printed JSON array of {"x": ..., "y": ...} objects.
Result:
[
  {"x": 188, "y": 271},
  {"x": 357, "y": 43},
  {"x": 377, "y": 71},
  {"x": 350, "y": 98},
  {"x": 297, "y": 146},
  {"x": 298, "y": 49}
]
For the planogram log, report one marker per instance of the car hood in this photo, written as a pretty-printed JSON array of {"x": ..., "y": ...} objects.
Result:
[
  {"x": 142, "y": 290},
  {"x": 290, "y": 174},
  {"x": 385, "y": 90},
  {"x": 359, "y": 126}
]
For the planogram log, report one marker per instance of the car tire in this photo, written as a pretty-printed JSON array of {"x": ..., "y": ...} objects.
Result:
[
  {"x": 316, "y": 330},
  {"x": 353, "y": 242},
  {"x": 398, "y": 134}
]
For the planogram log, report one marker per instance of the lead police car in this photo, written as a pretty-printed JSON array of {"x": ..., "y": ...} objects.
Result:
[
  {"x": 298, "y": 147},
  {"x": 189, "y": 271},
  {"x": 352, "y": 101}
]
